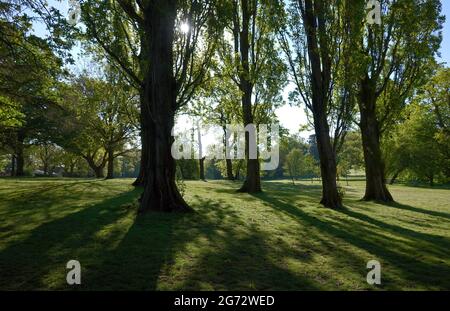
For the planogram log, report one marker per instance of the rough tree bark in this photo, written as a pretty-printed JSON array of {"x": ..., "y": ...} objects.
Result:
[
  {"x": 320, "y": 79},
  {"x": 330, "y": 196},
  {"x": 160, "y": 191},
  {"x": 252, "y": 183},
  {"x": 110, "y": 168},
  {"x": 376, "y": 189},
  {"x": 142, "y": 177}
]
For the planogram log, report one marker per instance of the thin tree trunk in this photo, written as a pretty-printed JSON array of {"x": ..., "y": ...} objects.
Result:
[
  {"x": 13, "y": 165},
  {"x": 20, "y": 161},
  {"x": 394, "y": 178},
  {"x": 376, "y": 189},
  {"x": 238, "y": 171},
  {"x": 200, "y": 152},
  {"x": 160, "y": 190},
  {"x": 228, "y": 162},
  {"x": 110, "y": 172},
  {"x": 229, "y": 165},
  {"x": 202, "y": 168}
]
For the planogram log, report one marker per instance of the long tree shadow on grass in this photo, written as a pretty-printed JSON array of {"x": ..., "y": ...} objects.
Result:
[
  {"x": 23, "y": 208},
  {"x": 236, "y": 255},
  {"x": 213, "y": 248},
  {"x": 416, "y": 256},
  {"x": 39, "y": 260},
  {"x": 417, "y": 210}
]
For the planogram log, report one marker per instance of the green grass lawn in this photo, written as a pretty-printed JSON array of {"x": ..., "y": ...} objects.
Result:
[{"x": 279, "y": 240}]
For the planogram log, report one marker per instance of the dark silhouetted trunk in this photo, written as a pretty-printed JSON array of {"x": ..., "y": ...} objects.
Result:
[
  {"x": 252, "y": 183},
  {"x": 160, "y": 190},
  {"x": 98, "y": 169},
  {"x": 376, "y": 189},
  {"x": 13, "y": 165},
  {"x": 202, "y": 168},
  {"x": 394, "y": 178},
  {"x": 330, "y": 196},
  {"x": 144, "y": 119},
  {"x": 431, "y": 180},
  {"x": 71, "y": 169},
  {"x": 229, "y": 165},
  {"x": 202, "y": 158},
  {"x": 110, "y": 169},
  {"x": 228, "y": 162},
  {"x": 20, "y": 159},
  {"x": 320, "y": 81}
]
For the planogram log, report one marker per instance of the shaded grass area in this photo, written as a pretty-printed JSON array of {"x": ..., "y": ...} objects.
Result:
[{"x": 278, "y": 240}]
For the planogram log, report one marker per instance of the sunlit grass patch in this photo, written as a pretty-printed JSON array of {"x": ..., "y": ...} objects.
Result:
[{"x": 281, "y": 239}]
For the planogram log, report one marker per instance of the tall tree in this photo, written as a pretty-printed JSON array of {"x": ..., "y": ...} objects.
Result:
[
  {"x": 394, "y": 56},
  {"x": 29, "y": 108},
  {"x": 170, "y": 62},
  {"x": 253, "y": 63},
  {"x": 314, "y": 40}
]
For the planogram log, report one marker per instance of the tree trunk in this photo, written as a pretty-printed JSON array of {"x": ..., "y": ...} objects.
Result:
[
  {"x": 20, "y": 161},
  {"x": 200, "y": 153},
  {"x": 252, "y": 183},
  {"x": 376, "y": 189},
  {"x": 229, "y": 164},
  {"x": 160, "y": 190},
  {"x": 394, "y": 178},
  {"x": 202, "y": 169},
  {"x": 320, "y": 81},
  {"x": 142, "y": 177},
  {"x": 110, "y": 172},
  {"x": 13, "y": 165},
  {"x": 330, "y": 196},
  {"x": 238, "y": 171},
  {"x": 97, "y": 169}
]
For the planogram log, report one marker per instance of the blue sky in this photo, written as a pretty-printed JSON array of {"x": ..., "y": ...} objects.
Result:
[{"x": 445, "y": 48}]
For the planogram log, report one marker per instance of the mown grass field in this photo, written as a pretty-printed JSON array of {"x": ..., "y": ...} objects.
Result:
[{"x": 279, "y": 240}]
